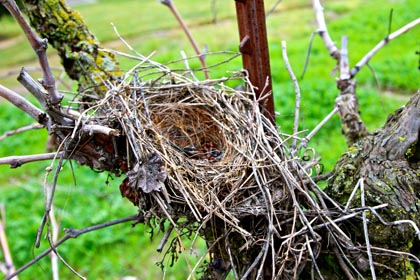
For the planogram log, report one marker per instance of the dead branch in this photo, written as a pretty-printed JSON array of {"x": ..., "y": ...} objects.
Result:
[
  {"x": 94, "y": 128},
  {"x": 74, "y": 233},
  {"x": 297, "y": 91},
  {"x": 16, "y": 161},
  {"x": 8, "y": 261},
  {"x": 170, "y": 4},
  {"x": 381, "y": 44},
  {"x": 20, "y": 130},
  {"x": 23, "y": 104},
  {"x": 53, "y": 237},
  {"x": 38, "y": 92},
  {"x": 346, "y": 103},
  {"x": 40, "y": 46}
]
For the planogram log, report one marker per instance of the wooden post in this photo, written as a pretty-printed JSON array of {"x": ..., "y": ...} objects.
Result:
[{"x": 254, "y": 48}]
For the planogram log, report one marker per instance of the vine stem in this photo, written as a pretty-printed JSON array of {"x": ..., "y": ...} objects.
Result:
[
  {"x": 74, "y": 233},
  {"x": 40, "y": 46}
]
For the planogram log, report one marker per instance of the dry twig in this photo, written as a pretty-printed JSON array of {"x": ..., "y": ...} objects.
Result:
[{"x": 74, "y": 233}]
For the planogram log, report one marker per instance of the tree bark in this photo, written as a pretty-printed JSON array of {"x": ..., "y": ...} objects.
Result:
[
  {"x": 81, "y": 56},
  {"x": 388, "y": 161}
]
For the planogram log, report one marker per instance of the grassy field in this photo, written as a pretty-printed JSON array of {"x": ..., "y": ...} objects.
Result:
[{"x": 91, "y": 197}]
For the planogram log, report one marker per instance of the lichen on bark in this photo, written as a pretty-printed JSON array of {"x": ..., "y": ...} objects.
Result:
[
  {"x": 390, "y": 172},
  {"x": 77, "y": 47}
]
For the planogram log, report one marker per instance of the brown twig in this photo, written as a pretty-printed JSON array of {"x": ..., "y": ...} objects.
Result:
[
  {"x": 201, "y": 57},
  {"x": 165, "y": 238},
  {"x": 22, "y": 104},
  {"x": 39, "y": 93},
  {"x": 40, "y": 46},
  {"x": 74, "y": 233},
  {"x": 21, "y": 129},
  {"x": 16, "y": 161}
]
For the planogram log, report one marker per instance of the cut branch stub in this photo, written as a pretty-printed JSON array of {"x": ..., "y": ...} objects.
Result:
[{"x": 254, "y": 49}]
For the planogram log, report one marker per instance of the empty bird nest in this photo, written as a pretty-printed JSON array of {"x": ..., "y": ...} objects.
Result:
[{"x": 202, "y": 156}]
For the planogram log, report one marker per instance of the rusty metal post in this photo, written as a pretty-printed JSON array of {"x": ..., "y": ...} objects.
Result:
[{"x": 254, "y": 48}]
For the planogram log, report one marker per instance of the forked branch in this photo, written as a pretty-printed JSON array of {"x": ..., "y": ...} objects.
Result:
[
  {"x": 381, "y": 44},
  {"x": 40, "y": 46},
  {"x": 74, "y": 233}
]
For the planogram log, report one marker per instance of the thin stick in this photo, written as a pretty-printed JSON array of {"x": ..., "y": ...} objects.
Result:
[
  {"x": 20, "y": 129},
  {"x": 50, "y": 191},
  {"x": 314, "y": 263},
  {"x": 74, "y": 233},
  {"x": 187, "y": 66},
  {"x": 171, "y": 6},
  {"x": 165, "y": 238},
  {"x": 352, "y": 195},
  {"x": 55, "y": 230},
  {"x": 21, "y": 103},
  {"x": 297, "y": 91},
  {"x": 365, "y": 229},
  {"x": 10, "y": 268},
  {"x": 39, "y": 46},
  {"x": 16, "y": 161},
  {"x": 57, "y": 256},
  {"x": 273, "y": 8},
  {"x": 308, "y": 54},
  {"x": 381, "y": 44},
  {"x": 318, "y": 127}
]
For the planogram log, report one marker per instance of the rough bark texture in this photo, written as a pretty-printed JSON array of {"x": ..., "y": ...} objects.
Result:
[
  {"x": 389, "y": 163},
  {"x": 78, "y": 49},
  {"x": 352, "y": 125}
]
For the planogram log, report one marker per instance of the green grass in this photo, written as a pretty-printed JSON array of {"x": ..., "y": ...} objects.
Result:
[{"x": 148, "y": 26}]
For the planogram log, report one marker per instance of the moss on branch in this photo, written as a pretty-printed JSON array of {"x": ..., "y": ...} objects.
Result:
[{"x": 77, "y": 47}]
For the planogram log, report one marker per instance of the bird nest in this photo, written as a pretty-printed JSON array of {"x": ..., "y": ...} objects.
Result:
[{"x": 204, "y": 157}]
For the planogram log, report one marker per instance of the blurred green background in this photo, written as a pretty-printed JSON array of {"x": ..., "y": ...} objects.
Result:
[{"x": 87, "y": 197}]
